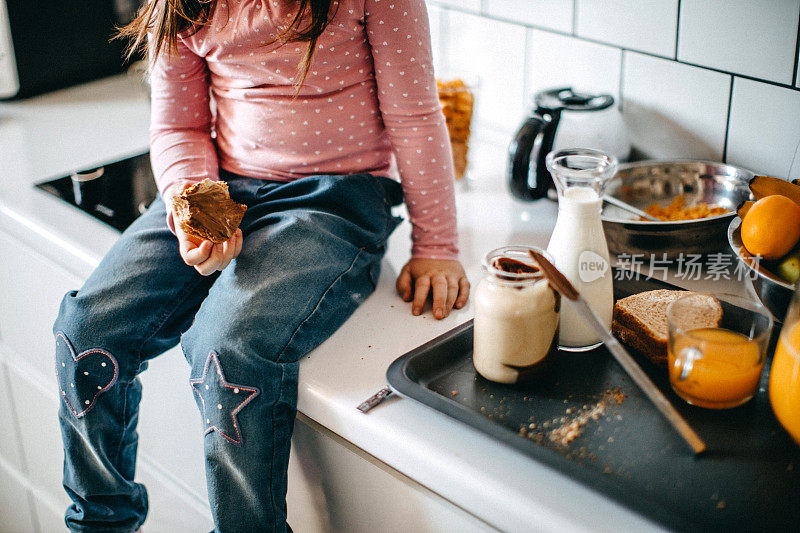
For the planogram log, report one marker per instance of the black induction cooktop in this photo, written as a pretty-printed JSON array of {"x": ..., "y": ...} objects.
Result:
[{"x": 116, "y": 193}]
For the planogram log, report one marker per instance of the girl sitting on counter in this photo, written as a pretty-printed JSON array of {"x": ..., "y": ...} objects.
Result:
[{"x": 318, "y": 105}]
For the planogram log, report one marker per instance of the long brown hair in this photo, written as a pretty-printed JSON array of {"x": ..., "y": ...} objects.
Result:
[{"x": 166, "y": 19}]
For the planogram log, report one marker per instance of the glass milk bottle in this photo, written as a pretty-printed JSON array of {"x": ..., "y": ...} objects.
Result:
[{"x": 578, "y": 244}]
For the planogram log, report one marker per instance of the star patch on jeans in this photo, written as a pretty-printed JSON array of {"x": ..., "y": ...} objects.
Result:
[
  {"x": 220, "y": 401},
  {"x": 84, "y": 377}
]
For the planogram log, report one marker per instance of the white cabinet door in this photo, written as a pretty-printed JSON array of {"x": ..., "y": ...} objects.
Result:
[
  {"x": 171, "y": 509},
  {"x": 37, "y": 412},
  {"x": 32, "y": 288},
  {"x": 15, "y": 511},
  {"x": 49, "y": 516},
  {"x": 9, "y": 443},
  {"x": 170, "y": 428},
  {"x": 335, "y": 487}
]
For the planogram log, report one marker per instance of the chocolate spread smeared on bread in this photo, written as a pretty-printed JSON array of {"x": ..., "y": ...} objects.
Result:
[
  {"x": 640, "y": 320},
  {"x": 206, "y": 210}
]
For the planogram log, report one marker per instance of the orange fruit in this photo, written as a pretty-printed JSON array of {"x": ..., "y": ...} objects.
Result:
[{"x": 771, "y": 227}]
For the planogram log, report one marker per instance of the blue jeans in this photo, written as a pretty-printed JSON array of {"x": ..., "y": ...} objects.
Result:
[{"x": 311, "y": 253}]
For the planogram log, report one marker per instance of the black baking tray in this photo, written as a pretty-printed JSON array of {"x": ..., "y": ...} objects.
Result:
[{"x": 747, "y": 480}]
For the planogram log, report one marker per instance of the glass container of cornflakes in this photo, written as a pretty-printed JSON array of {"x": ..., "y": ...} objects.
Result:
[{"x": 457, "y": 96}]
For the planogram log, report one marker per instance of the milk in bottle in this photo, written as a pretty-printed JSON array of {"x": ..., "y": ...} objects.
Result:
[{"x": 578, "y": 244}]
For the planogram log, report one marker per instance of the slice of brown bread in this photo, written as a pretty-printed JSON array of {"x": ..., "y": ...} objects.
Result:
[
  {"x": 206, "y": 210},
  {"x": 640, "y": 320}
]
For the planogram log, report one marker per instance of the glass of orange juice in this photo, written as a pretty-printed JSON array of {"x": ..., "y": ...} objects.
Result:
[
  {"x": 784, "y": 375},
  {"x": 718, "y": 367}
]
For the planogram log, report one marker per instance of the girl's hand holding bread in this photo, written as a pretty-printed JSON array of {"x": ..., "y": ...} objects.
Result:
[{"x": 201, "y": 253}]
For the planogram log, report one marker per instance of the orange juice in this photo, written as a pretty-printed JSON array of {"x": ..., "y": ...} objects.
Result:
[
  {"x": 724, "y": 370},
  {"x": 784, "y": 381}
]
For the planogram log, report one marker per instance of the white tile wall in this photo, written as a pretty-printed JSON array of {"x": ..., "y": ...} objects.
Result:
[
  {"x": 435, "y": 21},
  {"x": 764, "y": 129},
  {"x": 469, "y": 5},
  {"x": 644, "y": 25},
  {"x": 743, "y": 36},
  {"x": 558, "y": 60},
  {"x": 797, "y": 78},
  {"x": 794, "y": 172},
  {"x": 551, "y": 14},
  {"x": 495, "y": 52},
  {"x": 678, "y": 106},
  {"x": 674, "y": 110}
]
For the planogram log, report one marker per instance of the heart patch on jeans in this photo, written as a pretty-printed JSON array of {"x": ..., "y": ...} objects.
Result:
[{"x": 84, "y": 377}]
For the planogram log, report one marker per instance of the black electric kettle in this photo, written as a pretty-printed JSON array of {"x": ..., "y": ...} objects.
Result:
[{"x": 528, "y": 178}]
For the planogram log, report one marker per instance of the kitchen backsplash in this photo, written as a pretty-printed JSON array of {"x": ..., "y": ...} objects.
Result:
[{"x": 699, "y": 79}]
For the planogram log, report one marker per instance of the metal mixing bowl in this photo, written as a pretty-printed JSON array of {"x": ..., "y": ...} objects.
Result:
[
  {"x": 644, "y": 183},
  {"x": 773, "y": 290}
]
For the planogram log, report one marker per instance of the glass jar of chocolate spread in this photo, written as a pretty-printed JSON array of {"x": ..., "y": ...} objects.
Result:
[{"x": 516, "y": 317}]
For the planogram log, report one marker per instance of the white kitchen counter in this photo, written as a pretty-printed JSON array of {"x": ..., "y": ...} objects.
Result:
[{"x": 107, "y": 120}]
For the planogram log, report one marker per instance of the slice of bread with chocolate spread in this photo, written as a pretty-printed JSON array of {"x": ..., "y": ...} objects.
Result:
[{"x": 206, "y": 210}]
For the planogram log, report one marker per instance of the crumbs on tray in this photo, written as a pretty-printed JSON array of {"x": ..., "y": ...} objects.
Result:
[{"x": 563, "y": 430}]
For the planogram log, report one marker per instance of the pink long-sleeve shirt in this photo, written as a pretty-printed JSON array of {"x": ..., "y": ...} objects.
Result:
[{"x": 369, "y": 104}]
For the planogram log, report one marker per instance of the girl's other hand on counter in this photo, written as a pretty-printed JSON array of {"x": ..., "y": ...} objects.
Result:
[{"x": 444, "y": 279}]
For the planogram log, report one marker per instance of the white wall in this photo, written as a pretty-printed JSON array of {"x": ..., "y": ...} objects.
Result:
[{"x": 706, "y": 79}]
